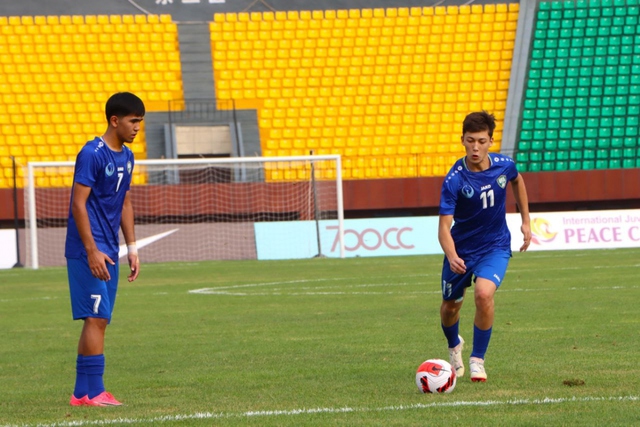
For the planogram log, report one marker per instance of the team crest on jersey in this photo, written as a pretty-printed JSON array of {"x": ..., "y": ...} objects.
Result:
[
  {"x": 129, "y": 167},
  {"x": 467, "y": 191},
  {"x": 502, "y": 181},
  {"x": 110, "y": 169}
]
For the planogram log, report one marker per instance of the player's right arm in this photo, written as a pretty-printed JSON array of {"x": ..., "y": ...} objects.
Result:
[
  {"x": 97, "y": 260},
  {"x": 448, "y": 245}
]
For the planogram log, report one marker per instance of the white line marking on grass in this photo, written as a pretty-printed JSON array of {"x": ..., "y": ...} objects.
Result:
[
  {"x": 229, "y": 290},
  {"x": 264, "y": 294},
  {"x": 573, "y": 288},
  {"x": 255, "y": 285},
  {"x": 28, "y": 299},
  {"x": 289, "y": 282},
  {"x": 223, "y": 289},
  {"x": 312, "y": 411}
]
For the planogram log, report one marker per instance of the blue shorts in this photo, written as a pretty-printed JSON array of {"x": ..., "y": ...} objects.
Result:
[
  {"x": 91, "y": 297},
  {"x": 492, "y": 266}
]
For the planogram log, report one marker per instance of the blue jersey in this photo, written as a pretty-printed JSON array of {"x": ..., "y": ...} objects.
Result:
[
  {"x": 108, "y": 173},
  {"x": 477, "y": 201}
]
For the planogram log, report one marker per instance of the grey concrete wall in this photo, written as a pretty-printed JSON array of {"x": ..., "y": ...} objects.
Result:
[{"x": 202, "y": 11}]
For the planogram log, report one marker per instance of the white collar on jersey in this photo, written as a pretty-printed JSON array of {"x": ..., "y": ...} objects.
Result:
[{"x": 464, "y": 162}]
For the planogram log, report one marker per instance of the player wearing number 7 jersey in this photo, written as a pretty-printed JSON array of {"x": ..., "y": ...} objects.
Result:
[
  {"x": 478, "y": 246},
  {"x": 100, "y": 206}
]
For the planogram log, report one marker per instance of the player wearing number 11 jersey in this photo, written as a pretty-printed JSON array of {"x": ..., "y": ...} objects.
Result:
[
  {"x": 477, "y": 247},
  {"x": 100, "y": 206}
]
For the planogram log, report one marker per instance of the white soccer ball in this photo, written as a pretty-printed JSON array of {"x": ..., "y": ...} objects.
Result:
[{"x": 435, "y": 376}]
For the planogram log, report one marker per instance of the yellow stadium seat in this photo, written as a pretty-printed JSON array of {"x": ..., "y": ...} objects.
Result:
[
  {"x": 27, "y": 20},
  {"x": 165, "y": 18},
  {"x": 53, "y": 20},
  {"x": 44, "y": 150},
  {"x": 65, "y": 20},
  {"x": 100, "y": 19},
  {"x": 341, "y": 14}
]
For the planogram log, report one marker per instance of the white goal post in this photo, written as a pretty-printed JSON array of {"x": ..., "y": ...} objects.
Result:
[{"x": 191, "y": 210}]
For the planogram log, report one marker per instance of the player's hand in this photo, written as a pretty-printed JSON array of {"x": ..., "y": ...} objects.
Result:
[
  {"x": 526, "y": 232},
  {"x": 457, "y": 265},
  {"x": 134, "y": 266},
  {"x": 98, "y": 265}
]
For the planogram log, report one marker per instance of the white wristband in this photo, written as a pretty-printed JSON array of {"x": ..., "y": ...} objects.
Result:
[{"x": 132, "y": 249}]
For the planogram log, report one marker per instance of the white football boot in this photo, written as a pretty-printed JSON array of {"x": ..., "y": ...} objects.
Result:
[
  {"x": 476, "y": 366},
  {"x": 455, "y": 358}
]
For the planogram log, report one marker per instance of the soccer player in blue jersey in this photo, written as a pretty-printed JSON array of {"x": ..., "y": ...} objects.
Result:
[
  {"x": 101, "y": 205},
  {"x": 478, "y": 246}
]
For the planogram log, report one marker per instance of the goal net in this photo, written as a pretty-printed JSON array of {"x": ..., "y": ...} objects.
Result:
[{"x": 205, "y": 209}]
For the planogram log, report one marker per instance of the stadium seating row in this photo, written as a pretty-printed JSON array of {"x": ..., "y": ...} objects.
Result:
[
  {"x": 353, "y": 80},
  {"x": 79, "y": 41},
  {"x": 363, "y": 83},
  {"x": 306, "y": 15},
  {"x": 77, "y": 51},
  {"x": 456, "y": 48},
  {"x": 430, "y": 111},
  {"x": 51, "y": 91},
  {"x": 29, "y": 20},
  {"x": 146, "y": 30},
  {"x": 351, "y": 28},
  {"x": 155, "y": 92},
  {"x": 365, "y": 121},
  {"x": 579, "y": 5},
  {"x": 567, "y": 16}
]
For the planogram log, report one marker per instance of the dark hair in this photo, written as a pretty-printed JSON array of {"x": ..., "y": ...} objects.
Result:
[
  {"x": 123, "y": 104},
  {"x": 478, "y": 122}
]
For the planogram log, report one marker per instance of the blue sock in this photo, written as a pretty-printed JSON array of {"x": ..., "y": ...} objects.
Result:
[
  {"x": 480, "y": 342},
  {"x": 82, "y": 385},
  {"x": 94, "y": 366},
  {"x": 451, "y": 332}
]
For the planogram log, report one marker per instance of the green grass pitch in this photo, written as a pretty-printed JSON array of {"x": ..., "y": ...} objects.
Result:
[{"x": 330, "y": 342}]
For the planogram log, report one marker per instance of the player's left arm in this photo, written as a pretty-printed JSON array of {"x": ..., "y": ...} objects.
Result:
[
  {"x": 520, "y": 194},
  {"x": 128, "y": 229}
]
